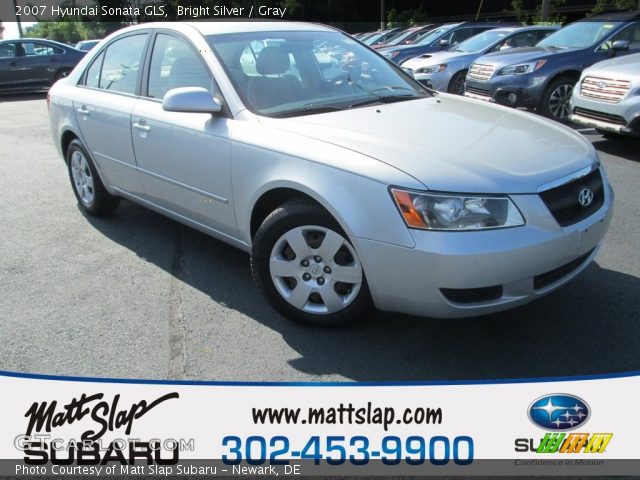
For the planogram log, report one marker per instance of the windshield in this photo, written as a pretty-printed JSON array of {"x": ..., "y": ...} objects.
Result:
[
  {"x": 579, "y": 35},
  {"x": 480, "y": 41},
  {"x": 296, "y": 73},
  {"x": 433, "y": 36}
]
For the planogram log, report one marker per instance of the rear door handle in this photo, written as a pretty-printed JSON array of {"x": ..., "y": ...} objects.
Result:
[
  {"x": 83, "y": 110},
  {"x": 142, "y": 126}
]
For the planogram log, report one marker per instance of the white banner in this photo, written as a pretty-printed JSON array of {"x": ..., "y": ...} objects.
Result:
[{"x": 578, "y": 423}]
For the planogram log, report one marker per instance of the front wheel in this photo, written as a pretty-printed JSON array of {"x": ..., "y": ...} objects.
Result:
[
  {"x": 307, "y": 268},
  {"x": 556, "y": 100},
  {"x": 456, "y": 85}
]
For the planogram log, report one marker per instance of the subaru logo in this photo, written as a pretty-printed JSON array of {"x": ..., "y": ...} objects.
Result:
[
  {"x": 602, "y": 85},
  {"x": 559, "y": 412},
  {"x": 585, "y": 197}
]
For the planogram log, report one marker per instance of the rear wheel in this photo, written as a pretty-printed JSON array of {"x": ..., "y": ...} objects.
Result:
[
  {"x": 89, "y": 190},
  {"x": 556, "y": 99},
  {"x": 307, "y": 268},
  {"x": 456, "y": 85}
]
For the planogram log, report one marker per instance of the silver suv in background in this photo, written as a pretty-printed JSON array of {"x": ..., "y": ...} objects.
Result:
[{"x": 608, "y": 96}]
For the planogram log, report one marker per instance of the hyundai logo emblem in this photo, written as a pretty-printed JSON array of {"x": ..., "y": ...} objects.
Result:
[
  {"x": 559, "y": 412},
  {"x": 585, "y": 197},
  {"x": 602, "y": 85}
]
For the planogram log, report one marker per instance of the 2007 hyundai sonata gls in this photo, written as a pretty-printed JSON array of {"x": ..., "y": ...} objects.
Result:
[{"x": 345, "y": 179}]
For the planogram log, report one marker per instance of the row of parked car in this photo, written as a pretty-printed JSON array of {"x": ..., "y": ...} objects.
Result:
[
  {"x": 536, "y": 67},
  {"x": 28, "y": 64}
]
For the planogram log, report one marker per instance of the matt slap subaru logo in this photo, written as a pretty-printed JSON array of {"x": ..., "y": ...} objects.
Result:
[{"x": 560, "y": 412}]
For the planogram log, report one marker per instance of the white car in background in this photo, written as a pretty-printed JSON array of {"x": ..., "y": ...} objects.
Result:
[{"x": 607, "y": 97}]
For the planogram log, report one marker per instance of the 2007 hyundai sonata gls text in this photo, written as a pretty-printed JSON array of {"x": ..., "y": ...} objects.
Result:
[{"x": 347, "y": 182}]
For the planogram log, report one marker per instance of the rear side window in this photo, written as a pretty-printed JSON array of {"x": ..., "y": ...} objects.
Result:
[
  {"x": 175, "y": 64},
  {"x": 121, "y": 64},
  {"x": 92, "y": 78}
]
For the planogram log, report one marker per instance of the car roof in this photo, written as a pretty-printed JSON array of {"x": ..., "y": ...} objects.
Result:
[
  {"x": 211, "y": 28},
  {"x": 614, "y": 17},
  {"x": 526, "y": 28},
  {"x": 40, "y": 40}
]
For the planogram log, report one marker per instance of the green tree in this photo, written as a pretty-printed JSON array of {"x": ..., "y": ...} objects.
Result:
[
  {"x": 407, "y": 17},
  {"x": 535, "y": 17},
  {"x": 601, "y": 5}
]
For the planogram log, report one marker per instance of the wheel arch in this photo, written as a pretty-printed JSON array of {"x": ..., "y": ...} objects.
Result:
[
  {"x": 572, "y": 73},
  {"x": 66, "y": 138},
  {"x": 275, "y": 196}
]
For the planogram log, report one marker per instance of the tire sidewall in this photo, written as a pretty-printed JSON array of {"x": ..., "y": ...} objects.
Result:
[
  {"x": 103, "y": 202},
  {"x": 282, "y": 220},
  {"x": 544, "y": 107}
]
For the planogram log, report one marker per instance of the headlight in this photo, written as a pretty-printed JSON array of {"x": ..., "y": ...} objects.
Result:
[
  {"x": 522, "y": 68},
  {"x": 393, "y": 54},
  {"x": 432, "y": 68},
  {"x": 435, "y": 211}
]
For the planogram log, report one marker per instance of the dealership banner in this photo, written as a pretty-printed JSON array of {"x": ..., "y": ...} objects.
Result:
[{"x": 60, "y": 426}]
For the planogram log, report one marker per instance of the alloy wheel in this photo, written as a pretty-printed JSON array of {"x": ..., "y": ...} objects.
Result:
[
  {"x": 315, "y": 270},
  {"x": 559, "y": 101},
  {"x": 82, "y": 178}
]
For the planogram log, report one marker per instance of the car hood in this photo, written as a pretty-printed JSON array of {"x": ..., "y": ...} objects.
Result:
[
  {"x": 627, "y": 66},
  {"x": 452, "y": 143},
  {"x": 522, "y": 55},
  {"x": 438, "y": 57}
]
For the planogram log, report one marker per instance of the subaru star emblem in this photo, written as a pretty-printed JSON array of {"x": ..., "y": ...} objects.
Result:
[
  {"x": 602, "y": 85},
  {"x": 585, "y": 197},
  {"x": 559, "y": 412}
]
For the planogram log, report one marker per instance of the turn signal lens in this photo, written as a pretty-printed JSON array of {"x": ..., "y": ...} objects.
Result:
[{"x": 408, "y": 210}]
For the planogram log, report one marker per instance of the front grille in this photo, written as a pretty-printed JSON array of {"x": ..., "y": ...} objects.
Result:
[
  {"x": 472, "y": 295},
  {"x": 480, "y": 72},
  {"x": 478, "y": 91},
  {"x": 600, "y": 116},
  {"x": 563, "y": 202},
  {"x": 604, "y": 89},
  {"x": 546, "y": 279}
]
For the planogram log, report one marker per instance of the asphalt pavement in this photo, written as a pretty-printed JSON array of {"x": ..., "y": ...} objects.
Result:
[{"x": 138, "y": 295}]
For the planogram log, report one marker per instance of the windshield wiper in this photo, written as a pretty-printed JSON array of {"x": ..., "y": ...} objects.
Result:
[
  {"x": 384, "y": 99},
  {"x": 309, "y": 109}
]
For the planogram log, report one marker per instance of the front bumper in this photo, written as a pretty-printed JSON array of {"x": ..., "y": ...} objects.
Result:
[
  {"x": 622, "y": 117},
  {"x": 464, "y": 274},
  {"x": 527, "y": 90},
  {"x": 437, "y": 81}
]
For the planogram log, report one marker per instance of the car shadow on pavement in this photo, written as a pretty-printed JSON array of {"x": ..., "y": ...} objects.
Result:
[
  {"x": 22, "y": 97},
  {"x": 624, "y": 147},
  {"x": 591, "y": 326}
]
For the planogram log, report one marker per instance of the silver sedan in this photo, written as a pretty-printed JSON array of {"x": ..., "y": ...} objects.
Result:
[{"x": 347, "y": 181}]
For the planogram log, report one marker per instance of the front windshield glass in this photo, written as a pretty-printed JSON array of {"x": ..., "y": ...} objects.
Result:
[
  {"x": 579, "y": 35},
  {"x": 480, "y": 42},
  {"x": 296, "y": 73},
  {"x": 433, "y": 36}
]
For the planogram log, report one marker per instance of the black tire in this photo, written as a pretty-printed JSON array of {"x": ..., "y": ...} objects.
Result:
[
  {"x": 456, "y": 85},
  {"x": 94, "y": 199},
  {"x": 555, "y": 99},
  {"x": 293, "y": 217}
]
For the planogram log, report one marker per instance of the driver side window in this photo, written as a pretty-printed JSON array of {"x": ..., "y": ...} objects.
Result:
[{"x": 629, "y": 34}]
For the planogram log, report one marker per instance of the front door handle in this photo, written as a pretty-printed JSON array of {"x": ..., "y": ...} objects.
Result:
[
  {"x": 83, "y": 110},
  {"x": 142, "y": 126}
]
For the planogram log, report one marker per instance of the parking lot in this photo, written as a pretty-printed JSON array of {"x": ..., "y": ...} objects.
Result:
[{"x": 137, "y": 295}]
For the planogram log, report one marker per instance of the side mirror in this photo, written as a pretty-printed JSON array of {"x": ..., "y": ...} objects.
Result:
[
  {"x": 191, "y": 100},
  {"x": 443, "y": 43},
  {"x": 620, "y": 45}
]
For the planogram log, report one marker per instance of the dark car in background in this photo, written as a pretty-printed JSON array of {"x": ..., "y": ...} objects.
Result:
[
  {"x": 34, "y": 64},
  {"x": 86, "y": 45},
  {"x": 543, "y": 77},
  {"x": 440, "y": 38},
  {"x": 404, "y": 37}
]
